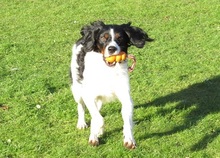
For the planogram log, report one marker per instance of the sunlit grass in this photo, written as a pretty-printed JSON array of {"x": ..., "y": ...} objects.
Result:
[{"x": 175, "y": 85}]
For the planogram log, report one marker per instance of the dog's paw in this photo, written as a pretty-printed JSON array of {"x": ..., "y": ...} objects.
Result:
[
  {"x": 130, "y": 144},
  {"x": 81, "y": 125},
  {"x": 93, "y": 140}
]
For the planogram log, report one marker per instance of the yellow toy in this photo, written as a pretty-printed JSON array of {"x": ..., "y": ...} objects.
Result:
[
  {"x": 116, "y": 58},
  {"x": 121, "y": 57}
]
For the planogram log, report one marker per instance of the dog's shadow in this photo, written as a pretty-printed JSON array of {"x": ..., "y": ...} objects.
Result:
[{"x": 205, "y": 96}]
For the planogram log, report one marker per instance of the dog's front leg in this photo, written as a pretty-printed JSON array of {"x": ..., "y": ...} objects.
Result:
[
  {"x": 97, "y": 121},
  {"x": 127, "y": 115}
]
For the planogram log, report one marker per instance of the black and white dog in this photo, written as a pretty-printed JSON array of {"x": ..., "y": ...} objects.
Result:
[{"x": 96, "y": 81}]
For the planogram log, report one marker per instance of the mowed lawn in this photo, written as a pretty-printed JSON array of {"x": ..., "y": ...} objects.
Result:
[{"x": 175, "y": 85}]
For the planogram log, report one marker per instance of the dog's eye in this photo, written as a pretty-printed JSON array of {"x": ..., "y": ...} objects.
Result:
[
  {"x": 105, "y": 37},
  {"x": 119, "y": 40}
]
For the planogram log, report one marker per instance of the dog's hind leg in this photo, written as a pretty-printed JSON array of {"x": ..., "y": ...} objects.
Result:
[
  {"x": 99, "y": 104},
  {"x": 81, "y": 124}
]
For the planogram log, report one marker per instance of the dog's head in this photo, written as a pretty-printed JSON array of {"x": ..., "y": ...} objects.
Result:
[{"x": 112, "y": 39}]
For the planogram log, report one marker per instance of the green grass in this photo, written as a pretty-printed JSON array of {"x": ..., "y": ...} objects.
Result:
[{"x": 175, "y": 86}]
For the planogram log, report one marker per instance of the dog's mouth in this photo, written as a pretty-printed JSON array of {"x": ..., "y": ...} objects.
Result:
[
  {"x": 129, "y": 56},
  {"x": 110, "y": 64},
  {"x": 113, "y": 59}
]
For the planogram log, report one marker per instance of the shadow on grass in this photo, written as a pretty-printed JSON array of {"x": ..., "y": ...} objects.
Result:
[{"x": 205, "y": 96}]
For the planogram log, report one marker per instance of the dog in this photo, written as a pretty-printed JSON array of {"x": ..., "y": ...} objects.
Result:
[{"x": 96, "y": 81}]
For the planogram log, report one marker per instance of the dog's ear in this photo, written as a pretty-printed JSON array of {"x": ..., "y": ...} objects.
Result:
[
  {"x": 137, "y": 36},
  {"x": 92, "y": 27},
  {"x": 89, "y": 33}
]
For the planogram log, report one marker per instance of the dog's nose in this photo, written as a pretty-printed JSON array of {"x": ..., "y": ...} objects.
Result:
[{"x": 112, "y": 49}]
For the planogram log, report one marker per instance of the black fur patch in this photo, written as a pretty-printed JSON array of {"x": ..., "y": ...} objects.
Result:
[{"x": 80, "y": 61}]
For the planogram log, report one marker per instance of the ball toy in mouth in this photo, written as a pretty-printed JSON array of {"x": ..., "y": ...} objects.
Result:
[{"x": 116, "y": 58}]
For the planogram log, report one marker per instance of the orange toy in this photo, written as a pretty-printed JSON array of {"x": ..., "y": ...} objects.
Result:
[
  {"x": 116, "y": 58},
  {"x": 121, "y": 57}
]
